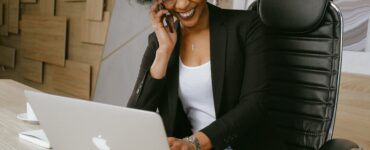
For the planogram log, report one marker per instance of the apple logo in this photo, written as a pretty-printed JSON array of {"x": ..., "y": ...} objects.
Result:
[{"x": 100, "y": 143}]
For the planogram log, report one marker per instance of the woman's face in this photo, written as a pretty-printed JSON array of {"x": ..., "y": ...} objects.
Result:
[{"x": 189, "y": 12}]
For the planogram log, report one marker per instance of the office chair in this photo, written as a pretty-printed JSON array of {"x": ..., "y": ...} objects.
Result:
[{"x": 304, "y": 66}]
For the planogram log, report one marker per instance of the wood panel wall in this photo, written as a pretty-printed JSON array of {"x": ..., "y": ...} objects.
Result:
[
  {"x": 44, "y": 38},
  {"x": 5, "y": 24},
  {"x": 1, "y": 14},
  {"x": 7, "y": 56},
  {"x": 13, "y": 16},
  {"x": 39, "y": 74}
]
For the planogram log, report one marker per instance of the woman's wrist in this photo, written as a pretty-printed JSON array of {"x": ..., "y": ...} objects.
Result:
[
  {"x": 159, "y": 66},
  {"x": 164, "y": 51},
  {"x": 204, "y": 141},
  {"x": 194, "y": 141}
]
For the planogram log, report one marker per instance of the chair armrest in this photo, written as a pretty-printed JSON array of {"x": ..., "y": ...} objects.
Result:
[{"x": 340, "y": 144}]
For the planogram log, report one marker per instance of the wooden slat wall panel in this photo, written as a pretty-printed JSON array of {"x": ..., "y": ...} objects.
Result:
[
  {"x": 32, "y": 70},
  {"x": 4, "y": 27},
  {"x": 1, "y": 14},
  {"x": 47, "y": 7},
  {"x": 74, "y": 79},
  {"x": 42, "y": 8},
  {"x": 43, "y": 38},
  {"x": 29, "y": 1},
  {"x": 76, "y": 49},
  {"x": 95, "y": 32},
  {"x": 13, "y": 16},
  {"x": 7, "y": 56},
  {"x": 94, "y": 10}
]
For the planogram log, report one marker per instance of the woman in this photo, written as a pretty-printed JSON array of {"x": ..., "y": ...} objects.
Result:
[{"x": 206, "y": 78}]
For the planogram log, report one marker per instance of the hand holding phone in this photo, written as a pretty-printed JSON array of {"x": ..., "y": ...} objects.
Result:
[
  {"x": 166, "y": 34},
  {"x": 166, "y": 17},
  {"x": 166, "y": 37}
]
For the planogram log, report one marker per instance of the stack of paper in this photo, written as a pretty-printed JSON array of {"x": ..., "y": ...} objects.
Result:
[{"x": 37, "y": 137}]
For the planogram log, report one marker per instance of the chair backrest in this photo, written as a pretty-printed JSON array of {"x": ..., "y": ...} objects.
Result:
[{"x": 304, "y": 63}]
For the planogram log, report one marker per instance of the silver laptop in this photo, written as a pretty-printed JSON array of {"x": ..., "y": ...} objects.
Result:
[{"x": 78, "y": 124}]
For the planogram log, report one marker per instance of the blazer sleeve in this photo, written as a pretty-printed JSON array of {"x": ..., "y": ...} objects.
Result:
[
  {"x": 249, "y": 113},
  {"x": 147, "y": 90}
]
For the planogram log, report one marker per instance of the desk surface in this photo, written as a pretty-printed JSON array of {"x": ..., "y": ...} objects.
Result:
[
  {"x": 352, "y": 120},
  {"x": 13, "y": 102}
]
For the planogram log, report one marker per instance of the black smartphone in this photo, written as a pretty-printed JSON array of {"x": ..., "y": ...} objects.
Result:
[{"x": 166, "y": 17}]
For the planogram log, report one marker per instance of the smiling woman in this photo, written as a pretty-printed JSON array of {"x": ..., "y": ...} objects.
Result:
[{"x": 198, "y": 77}]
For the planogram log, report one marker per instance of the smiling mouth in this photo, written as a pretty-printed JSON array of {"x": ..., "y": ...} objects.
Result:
[{"x": 188, "y": 14}]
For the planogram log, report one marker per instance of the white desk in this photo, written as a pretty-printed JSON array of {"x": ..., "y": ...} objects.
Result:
[{"x": 13, "y": 102}]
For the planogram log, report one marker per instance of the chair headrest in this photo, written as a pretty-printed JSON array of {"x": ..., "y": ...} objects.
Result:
[{"x": 292, "y": 15}]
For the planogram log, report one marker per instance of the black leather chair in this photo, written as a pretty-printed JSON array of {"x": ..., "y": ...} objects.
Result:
[{"x": 304, "y": 65}]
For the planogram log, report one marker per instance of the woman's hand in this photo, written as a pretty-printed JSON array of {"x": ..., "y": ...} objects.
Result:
[
  {"x": 166, "y": 39},
  {"x": 178, "y": 144}
]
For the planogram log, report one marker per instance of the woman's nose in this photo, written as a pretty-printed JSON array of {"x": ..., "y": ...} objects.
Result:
[{"x": 182, "y": 4}]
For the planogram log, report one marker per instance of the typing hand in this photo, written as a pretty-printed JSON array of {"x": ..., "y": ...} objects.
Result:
[{"x": 178, "y": 144}]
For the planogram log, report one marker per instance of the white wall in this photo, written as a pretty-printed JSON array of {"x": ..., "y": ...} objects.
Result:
[
  {"x": 126, "y": 43},
  {"x": 356, "y": 62},
  {"x": 356, "y": 55}
]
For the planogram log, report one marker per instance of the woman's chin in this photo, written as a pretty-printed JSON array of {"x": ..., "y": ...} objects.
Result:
[{"x": 188, "y": 23}]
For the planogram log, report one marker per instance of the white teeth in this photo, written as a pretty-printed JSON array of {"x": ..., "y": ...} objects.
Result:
[{"x": 187, "y": 14}]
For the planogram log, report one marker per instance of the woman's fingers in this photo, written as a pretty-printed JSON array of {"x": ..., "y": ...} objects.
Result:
[
  {"x": 186, "y": 148},
  {"x": 157, "y": 16},
  {"x": 177, "y": 144},
  {"x": 171, "y": 20},
  {"x": 157, "y": 20},
  {"x": 171, "y": 140},
  {"x": 154, "y": 7},
  {"x": 153, "y": 11}
]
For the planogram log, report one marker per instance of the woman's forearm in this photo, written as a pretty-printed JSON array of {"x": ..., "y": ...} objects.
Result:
[{"x": 159, "y": 66}]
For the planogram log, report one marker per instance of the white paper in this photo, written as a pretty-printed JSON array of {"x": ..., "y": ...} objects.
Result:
[
  {"x": 37, "y": 137},
  {"x": 30, "y": 114}
]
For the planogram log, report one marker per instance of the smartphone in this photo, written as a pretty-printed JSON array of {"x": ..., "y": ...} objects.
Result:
[{"x": 166, "y": 17}]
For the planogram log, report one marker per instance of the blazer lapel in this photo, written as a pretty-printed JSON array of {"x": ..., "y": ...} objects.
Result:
[
  {"x": 173, "y": 82},
  {"x": 218, "y": 36}
]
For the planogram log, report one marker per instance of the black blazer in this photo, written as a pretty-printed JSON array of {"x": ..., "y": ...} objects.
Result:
[{"x": 238, "y": 78}]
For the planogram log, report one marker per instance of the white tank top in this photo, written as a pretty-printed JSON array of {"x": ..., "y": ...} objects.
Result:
[{"x": 196, "y": 94}]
